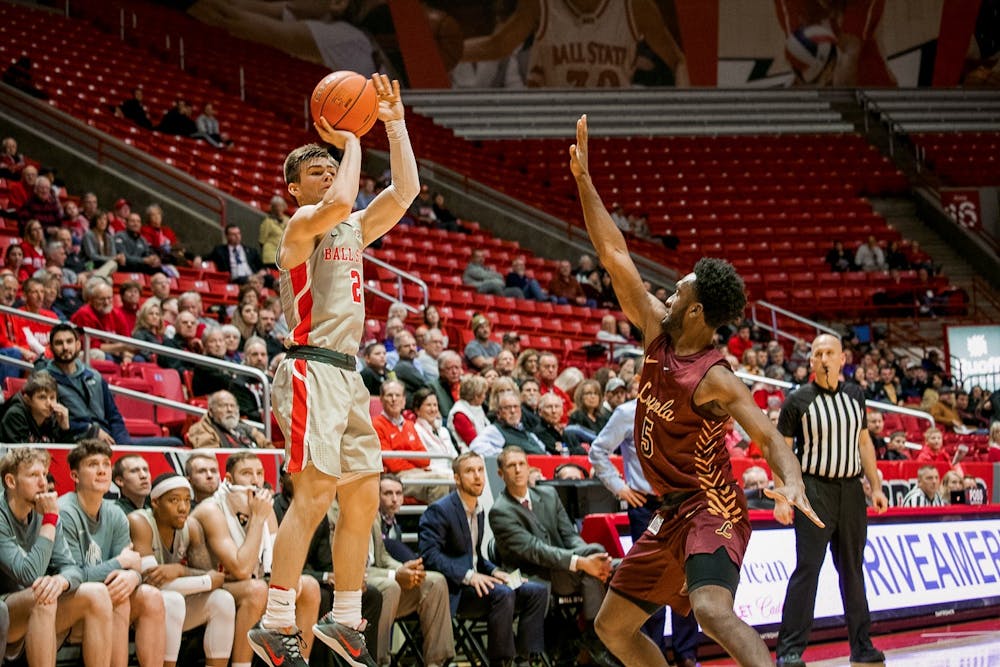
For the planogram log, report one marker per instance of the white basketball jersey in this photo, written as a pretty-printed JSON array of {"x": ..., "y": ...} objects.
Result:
[
  {"x": 578, "y": 50},
  {"x": 177, "y": 553},
  {"x": 323, "y": 298}
]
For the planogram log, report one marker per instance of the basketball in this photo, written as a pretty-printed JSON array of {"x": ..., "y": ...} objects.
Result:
[
  {"x": 809, "y": 49},
  {"x": 347, "y": 100}
]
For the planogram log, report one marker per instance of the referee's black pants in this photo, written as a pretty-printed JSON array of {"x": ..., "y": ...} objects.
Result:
[{"x": 840, "y": 504}]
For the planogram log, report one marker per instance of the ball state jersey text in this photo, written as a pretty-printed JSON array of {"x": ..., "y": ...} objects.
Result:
[
  {"x": 573, "y": 49},
  {"x": 323, "y": 297},
  {"x": 680, "y": 449}
]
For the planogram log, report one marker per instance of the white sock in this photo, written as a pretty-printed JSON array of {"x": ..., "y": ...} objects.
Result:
[
  {"x": 240, "y": 664},
  {"x": 347, "y": 608},
  {"x": 280, "y": 611}
]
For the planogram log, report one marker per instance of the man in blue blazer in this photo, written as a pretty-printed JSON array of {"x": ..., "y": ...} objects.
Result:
[{"x": 451, "y": 542}]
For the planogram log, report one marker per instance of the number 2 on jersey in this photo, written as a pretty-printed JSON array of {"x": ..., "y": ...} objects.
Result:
[{"x": 356, "y": 285}]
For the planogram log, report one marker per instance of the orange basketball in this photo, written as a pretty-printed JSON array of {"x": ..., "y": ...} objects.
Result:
[{"x": 347, "y": 100}]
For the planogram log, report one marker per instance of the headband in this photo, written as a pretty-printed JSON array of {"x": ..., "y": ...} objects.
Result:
[{"x": 169, "y": 484}]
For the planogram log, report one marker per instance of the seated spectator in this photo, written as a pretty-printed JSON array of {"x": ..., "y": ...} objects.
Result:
[
  {"x": 42, "y": 206},
  {"x": 609, "y": 333},
  {"x": 754, "y": 482},
  {"x": 993, "y": 444},
  {"x": 11, "y": 161},
  {"x": 449, "y": 376},
  {"x": 567, "y": 289},
  {"x": 967, "y": 415},
  {"x": 20, "y": 191},
  {"x": 398, "y": 434},
  {"x": 548, "y": 374},
  {"x": 177, "y": 120},
  {"x": 33, "y": 245},
  {"x": 232, "y": 337},
  {"x": 433, "y": 320},
  {"x": 244, "y": 551},
  {"x": 950, "y": 483},
  {"x": 927, "y": 491},
  {"x": 118, "y": 216},
  {"x": 366, "y": 193},
  {"x": 876, "y": 426},
  {"x": 191, "y": 302},
  {"x": 933, "y": 451},
  {"x": 34, "y": 413},
  {"x": 518, "y": 279},
  {"x": 422, "y": 208},
  {"x": 209, "y": 130},
  {"x": 134, "y": 110},
  {"x": 129, "y": 293},
  {"x": 839, "y": 258},
  {"x": 895, "y": 258},
  {"x": 467, "y": 418},
  {"x": 943, "y": 410},
  {"x": 504, "y": 363},
  {"x": 740, "y": 341},
  {"x": 272, "y": 227},
  {"x": 588, "y": 416},
  {"x": 149, "y": 325},
  {"x": 433, "y": 434},
  {"x": 374, "y": 372},
  {"x": 896, "y": 449},
  {"x": 18, "y": 75},
  {"x": 92, "y": 410},
  {"x": 886, "y": 388},
  {"x": 477, "y": 585},
  {"x": 98, "y": 246},
  {"x": 526, "y": 366},
  {"x": 139, "y": 255},
  {"x": 30, "y": 336},
  {"x": 246, "y": 319},
  {"x": 507, "y": 430},
  {"x": 14, "y": 262},
  {"x": 533, "y": 532},
  {"x": 558, "y": 439},
  {"x": 405, "y": 370},
  {"x": 484, "y": 279},
  {"x": 769, "y": 396},
  {"x": 427, "y": 358},
  {"x": 238, "y": 260},
  {"x": 208, "y": 379},
  {"x": 99, "y": 312},
  {"x": 45, "y": 595},
  {"x": 390, "y": 500},
  {"x": 870, "y": 257},
  {"x": 195, "y": 597},
  {"x": 221, "y": 426},
  {"x": 445, "y": 218},
  {"x": 915, "y": 382},
  {"x": 161, "y": 239},
  {"x": 481, "y": 351}
]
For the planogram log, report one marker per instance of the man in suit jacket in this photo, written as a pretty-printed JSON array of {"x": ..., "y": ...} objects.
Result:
[
  {"x": 238, "y": 260},
  {"x": 534, "y": 533},
  {"x": 407, "y": 588},
  {"x": 451, "y": 542}
]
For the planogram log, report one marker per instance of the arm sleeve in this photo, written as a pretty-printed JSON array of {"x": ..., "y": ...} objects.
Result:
[
  {"x": 62, "y": 563},
  {"x": 405, "y": 180},
  {"x": 606, "y": 442},
  {"x": 488, "y": 443},
  {"x": 123, "y": 245},
  {"x": 19, "y": 565}
]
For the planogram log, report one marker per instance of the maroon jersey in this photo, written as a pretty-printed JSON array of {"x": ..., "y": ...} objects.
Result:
[{"x": 681, "y": 449}]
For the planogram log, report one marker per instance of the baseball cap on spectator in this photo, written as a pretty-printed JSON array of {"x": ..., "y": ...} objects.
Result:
[
  {"x": 510, "y": 337},
  {"x": 478, "y": 321},
  {"x": 614, "y": 384},
  {"x": 122, "y": 202}
]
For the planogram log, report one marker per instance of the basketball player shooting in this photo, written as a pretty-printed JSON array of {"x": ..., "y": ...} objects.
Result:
[
  {"x": 320, "y": 401},
  {"x": 690, "y": 555}
]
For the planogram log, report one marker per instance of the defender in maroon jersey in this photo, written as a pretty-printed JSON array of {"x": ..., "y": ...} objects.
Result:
[{"x": 690, "y": 555}]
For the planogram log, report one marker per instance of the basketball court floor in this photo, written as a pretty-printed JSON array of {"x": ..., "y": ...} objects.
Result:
[{"x": 969, "y": 644}]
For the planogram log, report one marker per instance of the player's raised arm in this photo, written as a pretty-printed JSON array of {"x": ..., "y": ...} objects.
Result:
[
  {"x": 638, "y": 305},
  {"x": 507, "y": 37},
  {"x": 389, "y": 206}
]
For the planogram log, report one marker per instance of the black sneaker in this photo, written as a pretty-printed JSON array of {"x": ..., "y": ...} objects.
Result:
[
  {"x": 348, "y": 643},
  {"x": 791, "y": 660},
  {"x": 870, "y": 654},
  {"x": 278, "y": 648}
]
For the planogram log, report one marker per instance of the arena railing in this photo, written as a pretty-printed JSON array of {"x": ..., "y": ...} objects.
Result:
[
  {"x": 878, "y": 405},
  {"x": 772, "y": 312},
  {"x": 400, "y": 277},
  {"x": 196, "y": 359}
]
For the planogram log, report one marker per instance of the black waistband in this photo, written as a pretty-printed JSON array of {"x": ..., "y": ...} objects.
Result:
[
  {"x": 674, "y": 500},
  {"x": 312, "y": 353}
]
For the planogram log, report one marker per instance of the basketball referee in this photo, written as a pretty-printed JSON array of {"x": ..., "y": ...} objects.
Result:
[{"x": 825, "y": 424}]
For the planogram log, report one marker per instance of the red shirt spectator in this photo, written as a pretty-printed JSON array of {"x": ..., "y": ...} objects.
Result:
[
  {"x": 112, "y": 322},
  {"x": 119, "y": 216},
  {"x": 740, "y": 342},
  {"x": 30, "y": 334},
  {"x": 33, "y": 245},
  {"x": 400, "y": 438},
  {"x": 159, "y": 237},
  {"x": 20, "y": 191},
  {"x": 42, "y": 205}
]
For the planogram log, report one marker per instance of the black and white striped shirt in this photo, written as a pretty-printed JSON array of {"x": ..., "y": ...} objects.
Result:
[{"x": 825, "y": 426}]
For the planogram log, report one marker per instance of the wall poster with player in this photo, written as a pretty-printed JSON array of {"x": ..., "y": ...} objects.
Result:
[{"x": 626, "y": 43}]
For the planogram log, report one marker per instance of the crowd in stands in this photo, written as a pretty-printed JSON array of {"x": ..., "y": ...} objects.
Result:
[
  {"x": 458, "y": 394},
  {"x": 177, "y": 120}
]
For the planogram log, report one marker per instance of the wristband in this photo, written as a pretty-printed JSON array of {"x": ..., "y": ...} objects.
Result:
[{"x": 50, "y": 519}]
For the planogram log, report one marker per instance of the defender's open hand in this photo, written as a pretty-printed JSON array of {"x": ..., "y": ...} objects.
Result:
[{"x": 578, "y": 151}]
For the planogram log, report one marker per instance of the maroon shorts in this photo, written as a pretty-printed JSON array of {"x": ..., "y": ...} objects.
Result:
[{"x": 653, "y": 570}]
